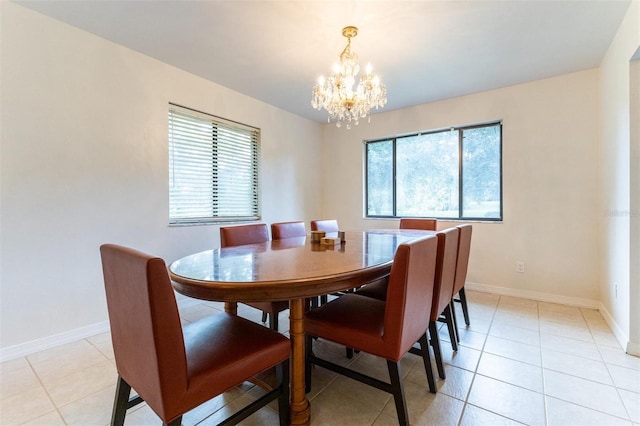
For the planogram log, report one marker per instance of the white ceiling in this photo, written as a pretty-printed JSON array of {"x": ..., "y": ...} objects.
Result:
[{"x": 423, "y": 50}]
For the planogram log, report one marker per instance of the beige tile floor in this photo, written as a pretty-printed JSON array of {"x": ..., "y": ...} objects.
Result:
[{"x": 520, "y": 362}]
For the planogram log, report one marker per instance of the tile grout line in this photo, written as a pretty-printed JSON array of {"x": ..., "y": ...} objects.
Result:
[
  {"x": 55, "y": 406},
  {"x": 586, "y": 379},
  {"x": 475, "y": 371},
  {"x": 615, "y": 385},
  {"x": 542, "y": 363},
  {"x": 512, "y": 384}
]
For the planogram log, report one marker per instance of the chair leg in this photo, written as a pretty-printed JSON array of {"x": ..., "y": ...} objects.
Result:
[
  {"x": 435, "y": 342},
  {"x": 394, "y": 387},
  {"x": 281, "y": 393},
  {"x": 398, "y": 392},
  {"x": 450, "y": 326},
  {"x": 313, "y": 301},
  {"x": 282, "y": 373},
  {"x": 174, "y": 422},
  {"x": 455, "y": 320},
  {"x": 350, "y": 351},
  {"x": 465, "y": 308},
  {"x": 426, "y": 359},
  {"x": 273, "y": 321},
  {"x": 308, "y": 346},
  {"x": 121, "y": 402}
]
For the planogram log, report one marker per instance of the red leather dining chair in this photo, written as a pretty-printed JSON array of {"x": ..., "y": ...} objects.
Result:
[
  {"x": 418, "y": 223},
  {"x": 251, "y": 234},
  {"x": 441, "y": 309},
  {"x": 327, "y": 225},
  {"x": 464, "y": 248},
  {"x": 173, "y": 368},
  {"x": 378, "y": 289},
  {"x": 282, "y": 230},
  {"x": 243, "y": 234},
  {"x": 387, "y": 329}
]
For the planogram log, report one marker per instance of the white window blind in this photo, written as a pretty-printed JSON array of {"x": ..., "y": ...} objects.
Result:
[{"x": 214, "y": 167}]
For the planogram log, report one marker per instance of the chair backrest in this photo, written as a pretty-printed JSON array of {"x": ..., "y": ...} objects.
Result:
[
  {"x": 445, "y": 270},
  {"x": 464, "y": 248},
  {"x": 148, "y": 343},
  {"x": 327, "y": 225},
  {"x": 424, "y": 224},
  {"x": 287, "y": 230},
  {"x": 409, "y": 290},
  {"x": 243, "y": 234}
]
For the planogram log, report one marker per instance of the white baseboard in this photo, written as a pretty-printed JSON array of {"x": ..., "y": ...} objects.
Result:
[
  {"x": 533, "y": 295},
  {"x": 632, "y": 348},
  {"x": 27, "y": 348},
  {"x": 33, "y": 346}
]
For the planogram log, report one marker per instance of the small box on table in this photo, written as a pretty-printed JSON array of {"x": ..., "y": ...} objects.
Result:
[{"x": 330, "y": 241}]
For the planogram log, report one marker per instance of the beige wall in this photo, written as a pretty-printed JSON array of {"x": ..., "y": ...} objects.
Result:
[
  {"x": 619, "y": 289},
  {"x": 550, "y": 149},
  {"x": 84, "y": 162}
]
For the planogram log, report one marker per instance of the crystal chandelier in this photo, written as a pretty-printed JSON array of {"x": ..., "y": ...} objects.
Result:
[{"x": 340, "y": 98}]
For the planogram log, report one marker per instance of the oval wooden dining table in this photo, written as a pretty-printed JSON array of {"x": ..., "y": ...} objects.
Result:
[{"x": 289, "y": 269}]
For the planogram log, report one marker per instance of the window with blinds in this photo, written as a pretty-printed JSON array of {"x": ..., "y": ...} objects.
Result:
[{"x": 214, "y": 167}]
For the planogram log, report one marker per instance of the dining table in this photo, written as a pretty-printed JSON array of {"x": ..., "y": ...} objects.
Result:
[{"x": 292, "y": 269}]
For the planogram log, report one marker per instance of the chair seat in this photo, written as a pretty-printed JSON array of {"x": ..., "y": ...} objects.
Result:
[
  {"x": 376, "y": 290},
  {"x": 232, "y": 344},
  {"x": 351, "y": 320}
]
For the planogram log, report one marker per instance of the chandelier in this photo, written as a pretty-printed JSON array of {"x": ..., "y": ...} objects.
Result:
[{"x": 339, "y": 94}]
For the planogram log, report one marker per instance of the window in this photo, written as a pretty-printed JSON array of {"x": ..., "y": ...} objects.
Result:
[
  {"x": 213, "y": 169},
  {"x": 448, "y": 174}
]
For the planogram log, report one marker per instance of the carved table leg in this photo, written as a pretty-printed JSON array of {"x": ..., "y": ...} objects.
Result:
[{"x": 300, "y": 408}]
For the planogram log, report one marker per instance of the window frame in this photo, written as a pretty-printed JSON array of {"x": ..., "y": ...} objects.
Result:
[
  {"x": 460, "y": 130},
  {"x": 220, "y": 126}
]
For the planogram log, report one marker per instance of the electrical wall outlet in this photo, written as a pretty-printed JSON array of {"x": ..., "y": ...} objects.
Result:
[{"x": 520, "y": 267}]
